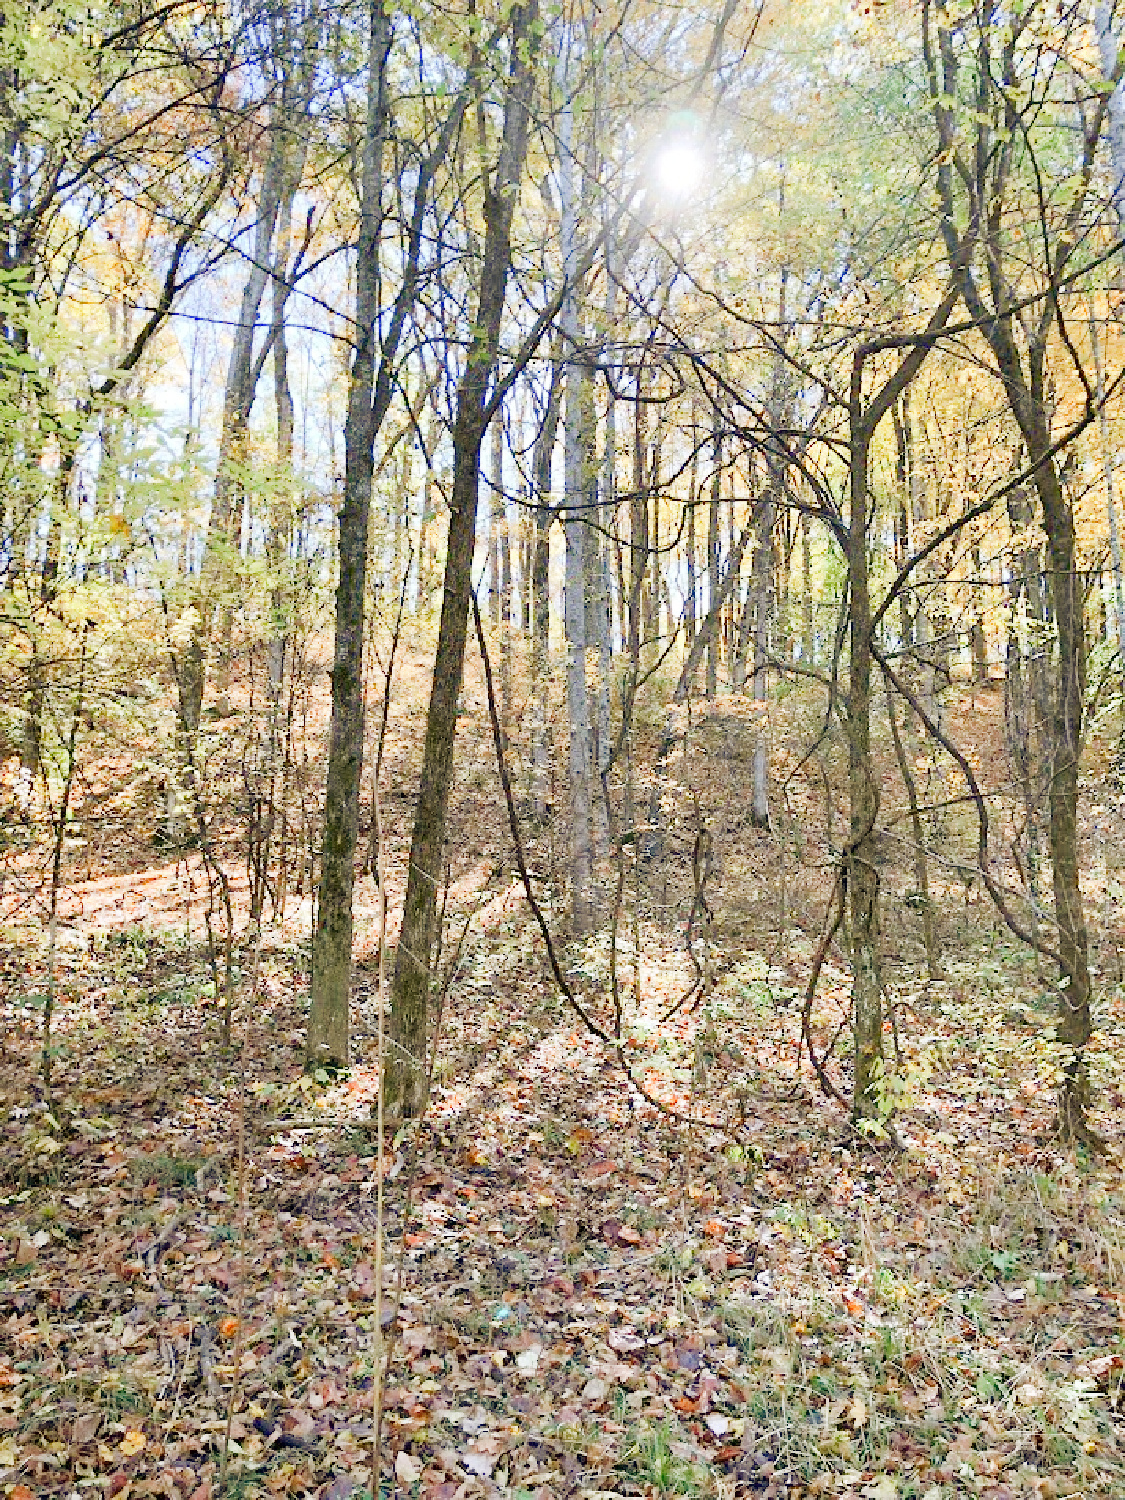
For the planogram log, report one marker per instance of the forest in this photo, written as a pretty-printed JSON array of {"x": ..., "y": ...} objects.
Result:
[{"x": 562, "y": 749}]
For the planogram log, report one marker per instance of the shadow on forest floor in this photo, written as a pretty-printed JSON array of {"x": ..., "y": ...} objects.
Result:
[{"x": 595, "y": 1297}]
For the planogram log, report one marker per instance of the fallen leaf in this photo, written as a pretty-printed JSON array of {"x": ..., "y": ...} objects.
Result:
[
  {"x": 363, "y": 1279},
  {"x": 883, "y": 1489},
  {"x": 407, "y": 1468},
  {"x": 298, "y": 1423},
  {"x": 86, "y": 1427},
  {"x": 480, "y": 1464},
  {"x": 132, "y": 1443}
]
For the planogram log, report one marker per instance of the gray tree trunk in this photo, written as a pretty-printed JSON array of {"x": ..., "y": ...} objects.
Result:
[
  {"x": 575, "y": 496},
  {"x": 540, "y": 604},
  {"x": 713, "y": 558}
]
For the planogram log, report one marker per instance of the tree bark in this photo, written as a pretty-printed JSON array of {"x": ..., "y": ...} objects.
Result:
[
  {"x": 405, "y": 1079},
  {"x": 540, "y": 603},
  {"x": 327, "y": 1038},
  {"x": 575, "y": 497},
  {"x": 1022, "y": 367}
]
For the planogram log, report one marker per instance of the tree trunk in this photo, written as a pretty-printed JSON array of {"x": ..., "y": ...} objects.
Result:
[
  {"x": 762, "y": 586},
  {"x": 808, "y": 629},
  {"x": 575, "y": 498},
  {"x": 597, "y": 611},
  {"x": 327, "y": 1039},
  {"x": 238, "y": 398},
  {"x": 1020, "y": 347},
  {"x": 861, "y": 872},
  {"x": 978, "y": 642},
  {"x": 638, "y": 527},
  {"x": 921, "y": 862},
  {"x": 863, "y": 793},
  {"x": 405, "y": 1079},
  {"x": 713, "y": 558},
  {"x": 540, "y": 603},
  {"x": 500, "y": 567},
  {"x": 1108, "y": 470}
]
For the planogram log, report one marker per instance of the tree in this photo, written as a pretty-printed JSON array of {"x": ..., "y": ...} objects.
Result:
[
  {"x": 405, "y": 1079},
  {"x": 996, "y": 95},
  {"x": 371, "y": 387}
]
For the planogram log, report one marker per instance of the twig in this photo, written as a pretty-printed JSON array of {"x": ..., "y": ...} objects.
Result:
[
  {"x": 379, "y": 1378},
  {"x": 329, "y": 1122},
  {"x": 839, "y": 892},
  {"x": 612, "y": 1043},
  {"x": 240, "y": 1301}
]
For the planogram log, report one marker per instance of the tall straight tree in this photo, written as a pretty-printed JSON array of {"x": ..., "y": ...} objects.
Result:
[
  {"x": 372, "y": 384},
  {"x": 292, "y": 46},
  {"x": 405, "y": 1076},
  {"x": 575, "y": 480},
  {"x": 998, "y": 100}
]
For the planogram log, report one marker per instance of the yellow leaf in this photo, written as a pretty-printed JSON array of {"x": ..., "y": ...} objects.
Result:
[{"x": 132, "y": 1443}]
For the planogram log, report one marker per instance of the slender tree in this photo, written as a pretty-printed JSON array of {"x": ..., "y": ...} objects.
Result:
[
  {"x": 371, "y": 387},
  {"x": 991, "y": 84},
  {"x": 405, "y": 1076}
]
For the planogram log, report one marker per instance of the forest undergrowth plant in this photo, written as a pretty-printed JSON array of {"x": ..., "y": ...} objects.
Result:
[{"x": 655, "y": 1458}]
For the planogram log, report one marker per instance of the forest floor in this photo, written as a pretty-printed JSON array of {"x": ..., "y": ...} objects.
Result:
[{"x": 588, "y": 1294}]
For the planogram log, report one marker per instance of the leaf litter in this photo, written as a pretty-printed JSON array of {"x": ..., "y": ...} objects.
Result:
[{"x": 584, "y": 1296}]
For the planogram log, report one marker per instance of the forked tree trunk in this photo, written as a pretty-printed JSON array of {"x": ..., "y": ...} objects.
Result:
[{"x": 1021, "y": 350}]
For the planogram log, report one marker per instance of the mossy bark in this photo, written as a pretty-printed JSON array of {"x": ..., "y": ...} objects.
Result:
[{"x": 405, "y": 1073}]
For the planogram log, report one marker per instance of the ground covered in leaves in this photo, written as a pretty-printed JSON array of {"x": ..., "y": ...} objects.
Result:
[{"x": 587, "y": 1293}]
